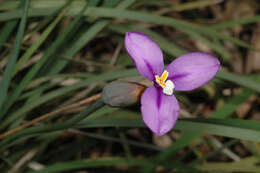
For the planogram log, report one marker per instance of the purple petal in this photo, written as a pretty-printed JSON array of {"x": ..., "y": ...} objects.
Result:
[
  {"x": 145, "y": 53},
  {"x": 159, "y": 111},
  {"x": 192, "y": 70}
]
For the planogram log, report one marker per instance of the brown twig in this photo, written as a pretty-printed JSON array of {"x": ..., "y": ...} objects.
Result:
[{"x": 48, "y": 115}]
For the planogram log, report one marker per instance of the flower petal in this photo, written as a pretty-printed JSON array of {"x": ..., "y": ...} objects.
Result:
[
  {"x": 192, "y": 70},
  {"x": 145, "y": 53},
  {"x": 159, "y": 111}
]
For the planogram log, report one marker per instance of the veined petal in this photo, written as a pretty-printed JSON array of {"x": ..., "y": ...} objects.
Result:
[
  {"x": 145, "y": 53},
  {"x": 192, "y": 70},
  {"x": 159, "y": 111}
]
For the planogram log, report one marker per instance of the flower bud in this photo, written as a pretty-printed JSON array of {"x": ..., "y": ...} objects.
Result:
[{"x": 124, "y": 92}]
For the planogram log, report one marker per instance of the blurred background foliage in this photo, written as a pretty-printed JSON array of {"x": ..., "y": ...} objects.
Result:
[{"x": 57, "y": 55}]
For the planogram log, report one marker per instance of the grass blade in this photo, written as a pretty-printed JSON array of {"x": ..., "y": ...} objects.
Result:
[
  {"x": 35, "y": 69},
  {"x": 4, "y": 85},
  {"x": 240, "y": 80},
  {"x": 38, "y": 43},
  {"x": 237, "y": 22},
  {"x": 6, "y": 31},
  {"x": 104, "y": 162},
  {"x": 136, "y": 16},
  {"x": 85, "y": 38},
  {"x": 65, "y": 90},
  {"x": 241, "y": 129}
]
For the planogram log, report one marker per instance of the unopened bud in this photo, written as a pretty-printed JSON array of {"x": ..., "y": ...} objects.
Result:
[{"x": 124, "y": 92}]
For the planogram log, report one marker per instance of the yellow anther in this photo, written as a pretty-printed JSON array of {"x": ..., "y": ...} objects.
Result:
[{"x": 161, "y": 80}]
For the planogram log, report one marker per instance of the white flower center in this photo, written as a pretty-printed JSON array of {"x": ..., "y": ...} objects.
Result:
[
  {"x": 168, "y": 89},
  {"x": 167, "y": 85}
]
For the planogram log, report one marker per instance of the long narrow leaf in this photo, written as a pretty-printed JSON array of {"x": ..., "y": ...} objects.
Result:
[
  {"x": 240, "y": 80},
  {"x": 38, "y": 43},
  {"x": 4, "y": 85},
  {"x": 6, "y": 31},
  {"x": 85, "y": 38},
  {"x": 65, "y": 90},
  {"x": 241, "y": 129},
  {"x": 33, "y": 71},
  {"x": 137, "y": 16}
]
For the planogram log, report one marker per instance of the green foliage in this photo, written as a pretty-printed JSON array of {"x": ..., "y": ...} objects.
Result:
[{"x": 57, "y": 55}]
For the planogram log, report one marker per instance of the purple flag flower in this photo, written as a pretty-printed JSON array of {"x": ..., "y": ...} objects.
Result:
[{"x": 159, "y": 107}]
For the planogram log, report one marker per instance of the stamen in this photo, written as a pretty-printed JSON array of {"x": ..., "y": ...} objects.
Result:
[
  {"x": 161, "y": 80},
  {"x": 168, "y": 86}
]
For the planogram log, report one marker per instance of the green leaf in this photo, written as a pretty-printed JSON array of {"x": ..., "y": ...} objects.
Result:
[
  {"x": 85, "y": 38},
  {"x": 4, "y": 85},
  {"x": 6, "y": 31},
  {"x": 237, "y": 22},
  {"x": 137, "y": 16},
  {"x": 241, "y": 129},
  {"x": 35, "y": 69},
  {"x": 53, "y": 127},
  {"x": 30, "y": 51},
  {"x": 62, "y": 91},
  {"x": 240, "y": 80},
  {"x": 90, "y": 163},
  {"x": 248, "y": 164}
]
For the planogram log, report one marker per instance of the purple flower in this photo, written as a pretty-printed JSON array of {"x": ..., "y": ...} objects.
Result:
[{"x": 159, "y": 107}]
